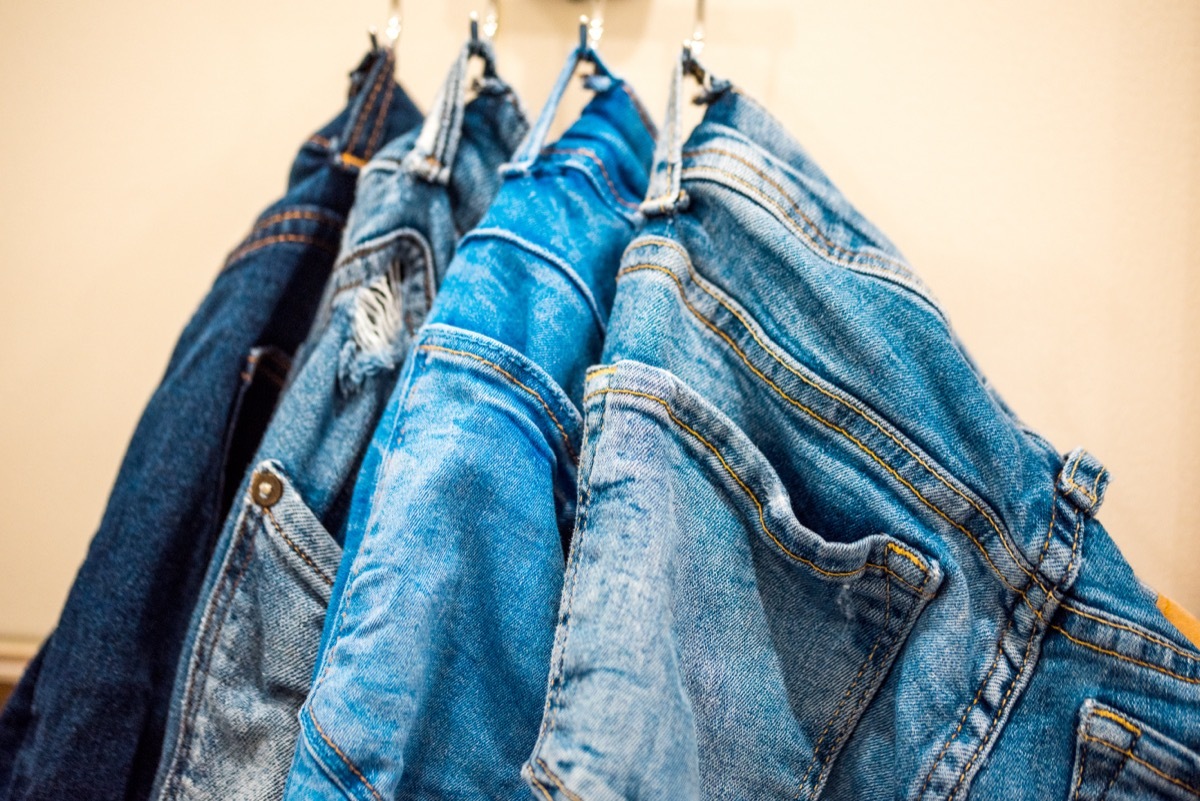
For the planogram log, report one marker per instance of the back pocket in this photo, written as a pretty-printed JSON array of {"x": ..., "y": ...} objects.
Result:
[
  {"x": 255, "y": 648},
  {"x": 1118, "y": 758},
  {"x": 709, "y": 644}
]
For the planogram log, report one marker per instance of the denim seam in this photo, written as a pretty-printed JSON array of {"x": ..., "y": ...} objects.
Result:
[
  {"x": 380, "y": 117},
  {"x": 220, "y": 615},
  {"x": 830, "y": 247},
  {"x": 1082, "y": 772},
  {"x": 257, "y": 244},
  {"x": 1093, "y": 646},
  {"x": 541, "y": 788},
  {"x": 937, "y": 474},
  {"x": 995, "y": 663},
  {"x": 562, "y": 431},
  {"x": 558, "y": 668},
  {"x": 1034, "y": 637},
  {"x": 305, "y": 742},
  {"x": 319, "y": 141},
  {"x": 1128, "y": 753},
  {"x": 381, "y": 77},
  {"x": 342, "y": 756},
  {"x": 297, "y": 549},
  {"x": 647, "y": 123},
  {"x": 295, "y": 214},
  {"x": 591, "y": 156},
  {"x": 758, "y": 504},
  {"x": 813, "y": 413},
  {"x": 838, "y": 709}
]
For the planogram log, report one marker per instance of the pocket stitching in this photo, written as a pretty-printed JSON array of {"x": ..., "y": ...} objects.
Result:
[{"x": 308, "y": 560}]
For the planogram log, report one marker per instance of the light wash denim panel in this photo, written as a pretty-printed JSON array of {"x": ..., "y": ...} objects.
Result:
[
  {"x": 431, "y": 683},
  {"x": 815, "y": 555},
  {"x": 255, "y": 636},
  {"x": 88, "y": 716}
]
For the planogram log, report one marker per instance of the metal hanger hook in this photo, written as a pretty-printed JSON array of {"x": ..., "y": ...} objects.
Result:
[
  {"x": 490, "y": 22},
  {"x": 591, "y": 26},
  {"x": 695, "y": 43},
  {"x": 395, "y": 24}
]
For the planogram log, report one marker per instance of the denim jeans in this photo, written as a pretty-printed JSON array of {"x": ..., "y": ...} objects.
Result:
[
  {"x": 87, "y": 719},
  {"x": 816, "y": 556},
  {"x": 255, "y": 634},
  {"x": 430, "y": 685}
]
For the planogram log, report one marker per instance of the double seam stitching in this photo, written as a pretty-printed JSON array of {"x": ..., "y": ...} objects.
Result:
[
  {"x": 591, "y": 156},
  {"x": 758, "y": 504},
  {"x": 1082, "y": 773},
  {"x": 1033, "y": 638},
  {"x": 380, "y": 79},
  {"x": 377, "y": 129},
  {"x": 562, "y": 431},
  {"x": 830, "y": 247},
  {"x": 1119, "y": 655},
  {"x": 300, "y": 239},
  {"x": 1022, "y": 594},
  {"x": 220, "y": 615},
  {"x": 297, "y": 214},
  {"x": 1092, "y": 496},
  {"x": 345, "y": 759},
  {"x": 557, "y": 781},
  {"x": 1128, "y": 753},
  {"x": 296, "y": 548}
]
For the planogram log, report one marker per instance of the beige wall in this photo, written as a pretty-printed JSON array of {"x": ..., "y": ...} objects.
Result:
[{"x": 1038, "y": 162}]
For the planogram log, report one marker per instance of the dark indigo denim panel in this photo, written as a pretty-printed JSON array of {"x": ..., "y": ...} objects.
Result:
[
  {"x": 430, "y": 686},
  {"x": 773, "y": 361},
  {"x": 255, "y": 633},
  {"x": 90, "y": 723}
]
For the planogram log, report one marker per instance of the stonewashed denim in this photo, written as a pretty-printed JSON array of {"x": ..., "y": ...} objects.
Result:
[
  {"x": 815, "y": 555},
  {"x": 254, "y": 637},
  {"x": 431, "y": 684},
  {"x": 89, "y": 723}
]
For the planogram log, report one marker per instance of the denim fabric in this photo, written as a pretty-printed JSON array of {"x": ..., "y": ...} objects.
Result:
[
  {"x": 432, "y": 680},
  {"x": 254, "y": 637},
  {"x": 816, "y": 556},
  {"x": 90, "y": 723}
]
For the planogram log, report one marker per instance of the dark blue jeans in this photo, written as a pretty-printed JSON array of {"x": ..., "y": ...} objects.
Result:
[{"x": 88, "y": 717}]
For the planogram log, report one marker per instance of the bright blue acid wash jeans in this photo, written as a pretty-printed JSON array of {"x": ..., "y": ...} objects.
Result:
[
  {"x": 431, "y": 682},
  {"x": 88, "y": 717},
  {"x": 255, "y": 635},
  {"x": 816, "y": 556}
]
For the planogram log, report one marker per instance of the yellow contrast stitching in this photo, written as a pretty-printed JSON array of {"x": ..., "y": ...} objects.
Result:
[
  {"x": 380, "y": 80},
  {"x": 558, "y": 781},
  {"x": 296, "y": 548},
  {"x": 1125, "y": 724},
  {"x": 352, "y": 160},
  {"x": 1118, "y": 655},
  {"x": 907, "y": 554},
  {"x": 301, "y": 239},
  {"x": 757, "y": 503},
  {"x": 299, "y": 214},
  {"x": 830, "y": 245},
  {"x": 345, "y": 760},
  {"x": 1130, "y": 755},
  {"x": 377, "y": 127},
  {"x": 842, "y": 401},
  {"x": 540, "y": 787},
  {"x": 512, "y": 378},
  {"x": 601, "y": 371}
]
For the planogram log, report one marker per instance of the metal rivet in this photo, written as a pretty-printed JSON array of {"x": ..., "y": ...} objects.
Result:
[{"x": 266, "y": 489}]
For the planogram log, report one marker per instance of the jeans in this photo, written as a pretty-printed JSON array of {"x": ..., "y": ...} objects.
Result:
[
  {"x": 254, "y": 636},
  {"x": 816, "y": 555},
  {"x": 87, "y": 720},
  {"x": 430, "y": 685}
]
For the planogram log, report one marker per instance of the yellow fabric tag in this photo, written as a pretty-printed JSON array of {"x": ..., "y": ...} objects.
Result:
[{"x": 1180, "y": 618}]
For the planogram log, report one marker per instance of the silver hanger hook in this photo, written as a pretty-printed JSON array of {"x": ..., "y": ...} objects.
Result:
[
  {"x": 489, "y": 24},
  {"x": 695, "y": 43},
  {"x": 591, "y": 26},
  {"x": 395, "y": 24}
]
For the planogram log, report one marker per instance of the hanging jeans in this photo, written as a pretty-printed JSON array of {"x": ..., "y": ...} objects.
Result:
[
  {"x": 254, "y": 636},
  {"x": 430, "y": 686},
  {"x": 816, "y": 556},
  {"x": 87, "y": 719}
]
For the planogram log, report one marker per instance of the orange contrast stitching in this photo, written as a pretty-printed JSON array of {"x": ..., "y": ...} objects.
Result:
[
  {"x": 1122, "y": 722},
  {"x": 540, "y": 787},
  {"x": 510, "y": 377},
  {"x": 377, "y": 129},
  {"x": 319, "y": 140},
  {"x": 352, "y": 160},
  {"x": 380, "y": 79},
  {"x": 749, "y": 492},
  {"x": 307, "y": 559},
  {"x": 1118, "y": 655},
  {"x": 299, "y": 239},
  {"x": 345, "y": 760},
  {"x": 298, "y": 214},
  {"x": 1130, "y": 755},
  {"x": 596, "y": 160}
]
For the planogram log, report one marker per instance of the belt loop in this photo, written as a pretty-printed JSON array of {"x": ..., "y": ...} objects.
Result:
[
  {"x": 432, "y": 156},
  {"x": 1083, "y": 481},
  {"x": 372, "y": 99},
  {"x": 665, "y": 196}
]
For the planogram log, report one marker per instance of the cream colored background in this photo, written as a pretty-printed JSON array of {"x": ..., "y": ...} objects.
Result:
[{"x": 1038, "y": 162}]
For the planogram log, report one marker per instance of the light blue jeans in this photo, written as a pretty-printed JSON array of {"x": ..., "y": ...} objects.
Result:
[
  {"x": 431, "y": 682},
  {"x": 254, "y": 637},
  {"x": 816, "y": 556}
]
